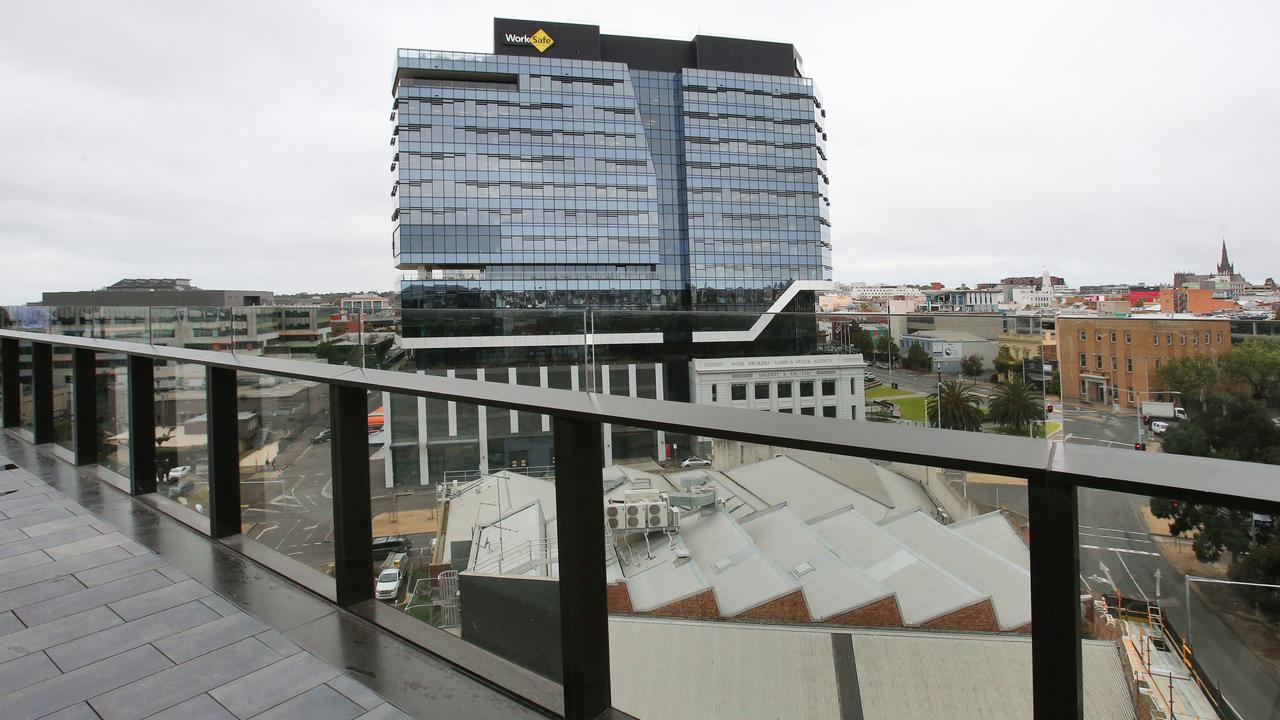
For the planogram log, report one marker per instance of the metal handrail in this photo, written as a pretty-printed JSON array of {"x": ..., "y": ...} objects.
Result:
[
  {"x": 1053, "y": 472},
  {"x": 1223, "y": 482},
  {"x": 532, "y": 551}
]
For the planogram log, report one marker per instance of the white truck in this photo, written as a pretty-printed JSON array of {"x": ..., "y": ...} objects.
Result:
[{"x": 1165, "y": 410}]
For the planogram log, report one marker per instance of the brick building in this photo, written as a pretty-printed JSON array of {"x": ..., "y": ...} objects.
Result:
[
  {"x": 1114, "y": 360},
  {"x": 1194, "y": 301}
]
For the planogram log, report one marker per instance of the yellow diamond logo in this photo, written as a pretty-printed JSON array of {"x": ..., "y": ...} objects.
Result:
[{"x": 541, "y": 40}]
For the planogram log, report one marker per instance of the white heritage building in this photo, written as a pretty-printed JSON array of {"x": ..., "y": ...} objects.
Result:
[{"x": 820, "y": 385}]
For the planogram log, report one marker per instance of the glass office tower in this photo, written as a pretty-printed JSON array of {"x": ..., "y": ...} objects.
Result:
[
  {"x": 649, "y": 198},
  {"x": 588, "y": 170}
]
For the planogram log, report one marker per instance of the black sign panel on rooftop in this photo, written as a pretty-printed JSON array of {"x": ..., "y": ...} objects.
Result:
[{"x": 536, "y": 38}]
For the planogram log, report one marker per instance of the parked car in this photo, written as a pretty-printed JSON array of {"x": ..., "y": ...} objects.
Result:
[
  {"x": 694, "y": 462},
  {"x": 869, "y": 376},
  {"x": 178, "y": 473},
  {"x": 387, "y": 586},
  {"x": 384, "y": 546},
  {"x": 1159, "y": 426},
  {"x": 323, "y": 436}
]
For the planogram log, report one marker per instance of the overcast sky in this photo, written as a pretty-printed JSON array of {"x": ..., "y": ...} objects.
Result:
[{"x": 245, "y": 145}]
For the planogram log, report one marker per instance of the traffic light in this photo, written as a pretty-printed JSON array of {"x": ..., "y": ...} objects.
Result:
[{"x": 1140, "y": 447}]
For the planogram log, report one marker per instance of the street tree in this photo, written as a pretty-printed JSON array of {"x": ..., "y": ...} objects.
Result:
[
  {"x": 1255, "y": 364},
  {"x": 1191, "y": 376},
  {"x": 1215, "y": 529},
  {"x": 918, "y": 359},
  {"x": 1015, "y": 405},
  {"x": 1228, "y": 427},
  {"x": 972, "y": 366},
  {"x": 960, "y": 406},
  {"x": 862, "y": 342}
]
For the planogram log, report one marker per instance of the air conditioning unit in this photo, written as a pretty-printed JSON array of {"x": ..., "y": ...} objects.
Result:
[
  {"x": 613, "y": 516},
  {"x": 656, "y": 515},
  {"x": 635, "y": 516}
]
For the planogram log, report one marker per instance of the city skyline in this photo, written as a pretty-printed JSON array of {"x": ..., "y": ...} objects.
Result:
[{"x": 1112, "y": 148}]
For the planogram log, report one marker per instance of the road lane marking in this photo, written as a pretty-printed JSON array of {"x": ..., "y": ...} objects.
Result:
[
  {"x": 1113, "y": 537},
  {"x": 1131, "y": 577},
  {"x": 1107, "y": 529},
  {"x": 1121, "y": 550},
  {"x": 265, "y": 530}
]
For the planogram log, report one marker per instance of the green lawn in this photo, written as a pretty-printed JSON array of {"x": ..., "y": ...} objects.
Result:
[
  {"x": 912, "y": 407},
  {"x": 1053, "y": 427},
  {"x": 884, "y": 391},
  {"x": 911, "y": 404}
]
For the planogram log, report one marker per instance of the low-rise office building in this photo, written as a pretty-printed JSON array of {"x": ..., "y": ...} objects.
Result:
[
  {"x": 1116, "y": 360},
  {"x": 948, "y": 348}
]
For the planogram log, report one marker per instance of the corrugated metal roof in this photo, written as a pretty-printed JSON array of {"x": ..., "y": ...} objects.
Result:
[
  {"x": 695, "y": 670},
  {"x": 831, "y": 584},
  {"x": 993, "y": 532},
  {"x": 972, "y": 676},
  {"x": 809, "y": 493},
  {"x": 854, "y": 473},
  {"x": 741, "y": 574},
  {"x": 925, "y": 591},
  {"x": 493, "y": 495},
  {"x": 1008, "y": 585},
  {"x": 655, "y": 576}
]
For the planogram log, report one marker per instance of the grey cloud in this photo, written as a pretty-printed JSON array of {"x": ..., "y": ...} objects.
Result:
[{"x": 245, "y": 144}]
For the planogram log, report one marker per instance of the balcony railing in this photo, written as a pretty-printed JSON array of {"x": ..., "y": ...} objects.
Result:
[{"x": 1052, "y": 472}]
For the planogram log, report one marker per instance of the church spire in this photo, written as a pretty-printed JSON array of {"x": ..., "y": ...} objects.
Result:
[{"x": 1224, "y": 265}]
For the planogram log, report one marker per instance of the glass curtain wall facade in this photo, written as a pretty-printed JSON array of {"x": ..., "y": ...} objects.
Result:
[{"x": 557, "y": 182}]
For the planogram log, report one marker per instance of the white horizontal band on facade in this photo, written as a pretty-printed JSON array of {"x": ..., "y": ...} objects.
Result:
[
  {"x": 763, "y": 321},
  {"x": 485, "y": 341}
]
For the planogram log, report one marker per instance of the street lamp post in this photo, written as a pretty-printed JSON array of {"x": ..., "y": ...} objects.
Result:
[{"x": 938, "y": 410}]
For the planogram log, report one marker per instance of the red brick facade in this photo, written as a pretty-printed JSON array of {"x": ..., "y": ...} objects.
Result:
[
  {"x": 1117, "y": 359},
  {"x": 789, "y": 608},
  {"x": 697, "y": 607},
  {"x": 618, "y": 598},
  {"x": 978, "y": 617},
  {"x": 881, "y": 613}
]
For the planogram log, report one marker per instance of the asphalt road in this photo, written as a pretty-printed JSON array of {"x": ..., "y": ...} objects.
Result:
[
  {"x": 290, "y": 507},
  {"x": 1112, "y": 532}
]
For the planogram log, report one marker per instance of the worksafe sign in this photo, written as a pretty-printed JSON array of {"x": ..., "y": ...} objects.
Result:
[{"x": 539, "y": 40}]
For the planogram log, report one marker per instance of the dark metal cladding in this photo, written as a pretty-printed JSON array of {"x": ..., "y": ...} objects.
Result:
[
  {"x": 42, "y": 392},
  {"x": 85, "y": 433},
  {"x": 352, "y": 515},
  {"x": 224, "y": 455},
  {"x": 142, "y": 425}
]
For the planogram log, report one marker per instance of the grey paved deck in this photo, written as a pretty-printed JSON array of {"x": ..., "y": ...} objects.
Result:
[{"x": 94, "y": 625}]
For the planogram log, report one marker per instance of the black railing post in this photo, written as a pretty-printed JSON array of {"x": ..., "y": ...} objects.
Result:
[
  {"x": 352, "y": 519},
  {"x": 42, "y": 392},
  {"x": 223, "y": 432},
  {"x": 84, "y": 394},
  {"x": 584, "y": 614},
  {"x": 10, "y": 384},
  {"x": 142, "y": 425},
  {"x": 1056, "y": 679}
]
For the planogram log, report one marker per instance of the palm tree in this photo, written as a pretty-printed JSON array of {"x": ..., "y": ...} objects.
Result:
[
  {"x": 1015, "y": 405},
  {"x": 961, "y": 408}
]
